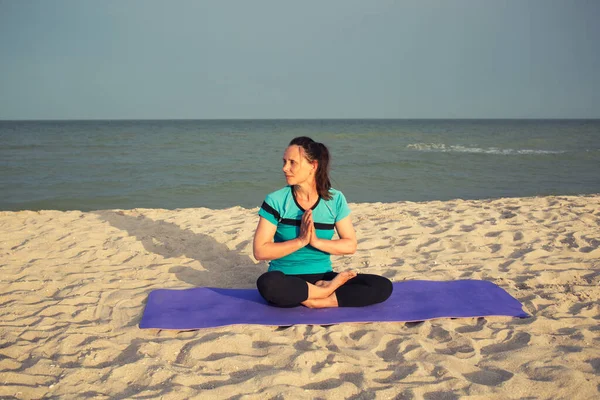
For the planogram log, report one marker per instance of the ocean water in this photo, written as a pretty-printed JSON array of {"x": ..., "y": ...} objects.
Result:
[{"x": 91, "y": 165}]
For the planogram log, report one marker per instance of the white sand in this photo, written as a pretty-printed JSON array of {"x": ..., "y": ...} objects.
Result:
[{"x": 73, "y": 288}]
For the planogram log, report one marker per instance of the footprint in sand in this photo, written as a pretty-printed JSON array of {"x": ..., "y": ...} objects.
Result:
[
  {"x": 472, "y": 328},
  {"x": 518, "y": 341},
  {"x": 489, "y": 377},
  {"x": 399, "y": 373},
  {"x": 595, "y": 363},
  {"x": 441, "y": 396}
]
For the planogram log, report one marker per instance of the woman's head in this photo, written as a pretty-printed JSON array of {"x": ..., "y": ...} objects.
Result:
[{"x": 304, "y": 159}]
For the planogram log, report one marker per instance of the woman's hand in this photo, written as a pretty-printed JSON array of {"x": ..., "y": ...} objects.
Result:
[
  {"x": 346, "y": 244},
  {"x": 307, "y": 229},
  {"x": 313, "y": 237}
]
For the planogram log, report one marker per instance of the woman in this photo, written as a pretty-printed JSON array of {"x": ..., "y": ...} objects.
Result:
[{"x": 295, "y": 232}]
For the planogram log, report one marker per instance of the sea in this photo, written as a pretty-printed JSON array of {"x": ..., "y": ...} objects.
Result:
[{"x": 125, "y": 164}]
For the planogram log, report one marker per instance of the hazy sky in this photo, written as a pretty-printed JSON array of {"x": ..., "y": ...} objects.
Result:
[{"x": 299, "y": 59}]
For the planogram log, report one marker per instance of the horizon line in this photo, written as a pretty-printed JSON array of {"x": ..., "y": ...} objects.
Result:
[{"x": 303, "y": 119}]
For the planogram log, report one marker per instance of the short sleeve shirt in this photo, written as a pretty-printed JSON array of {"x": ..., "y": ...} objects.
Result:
[{"x": 282, "y": 210}]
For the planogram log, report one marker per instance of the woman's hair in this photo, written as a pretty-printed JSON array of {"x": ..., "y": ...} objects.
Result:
[{"x": 314, "y": 151}]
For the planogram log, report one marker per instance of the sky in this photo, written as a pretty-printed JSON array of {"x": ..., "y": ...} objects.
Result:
[{"x": 221, "y": 59}]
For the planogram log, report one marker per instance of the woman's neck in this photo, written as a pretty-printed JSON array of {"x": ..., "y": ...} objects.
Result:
[{"x": 306, "y": 193}]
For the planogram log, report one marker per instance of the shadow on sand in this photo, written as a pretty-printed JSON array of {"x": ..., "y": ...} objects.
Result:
[{"x": 223, "y": 267}]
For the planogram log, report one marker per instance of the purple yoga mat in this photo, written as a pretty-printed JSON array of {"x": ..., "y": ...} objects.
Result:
[{"x": 411, "y": 301}]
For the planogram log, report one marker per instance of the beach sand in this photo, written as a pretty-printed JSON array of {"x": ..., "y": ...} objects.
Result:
[{"x": 74, "y": 285}]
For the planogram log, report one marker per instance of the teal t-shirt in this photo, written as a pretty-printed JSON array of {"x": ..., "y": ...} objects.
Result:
[{"x": 281, "y": 209}]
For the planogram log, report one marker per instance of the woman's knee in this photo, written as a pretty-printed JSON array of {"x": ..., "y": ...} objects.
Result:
[
  {"x": 282, "y": 290},
  {"x": 268, "y": 283},
  {"x": 385, "y": 289},
  {"x": 381, "y": 287}
]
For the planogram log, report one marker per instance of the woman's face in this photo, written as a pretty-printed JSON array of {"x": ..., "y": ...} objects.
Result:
[{"x": 296, "y": 168}]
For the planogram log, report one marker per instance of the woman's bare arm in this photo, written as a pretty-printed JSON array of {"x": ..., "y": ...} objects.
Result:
[
  {"x": 265, "y": 249},
  {"x": 346, "y": 244}
]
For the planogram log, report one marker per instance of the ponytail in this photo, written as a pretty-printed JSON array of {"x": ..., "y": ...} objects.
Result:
[{"x": 314, "y": 151}]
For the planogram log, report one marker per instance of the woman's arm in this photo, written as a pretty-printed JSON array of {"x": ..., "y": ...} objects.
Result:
[
  {"x": 346, "y": 244},
  {"x": 265, "y": 249}
]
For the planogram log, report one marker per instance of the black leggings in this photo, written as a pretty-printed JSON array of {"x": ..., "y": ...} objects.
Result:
[{"x": 290, "y": 290}]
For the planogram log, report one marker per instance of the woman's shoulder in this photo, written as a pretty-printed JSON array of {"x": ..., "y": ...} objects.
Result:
[
  {"x": 280, "y": 195},
  {"x": 337, "y": 199},
  {"x": 337, "y": 204},
  {"x": 335, "y": 194},
  {"x": 284, "y": 191}
]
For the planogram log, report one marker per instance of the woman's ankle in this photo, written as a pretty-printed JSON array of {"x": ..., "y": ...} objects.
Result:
[
  {"x": 327, "y": 302},
  {"x": 319, "y": 292}
]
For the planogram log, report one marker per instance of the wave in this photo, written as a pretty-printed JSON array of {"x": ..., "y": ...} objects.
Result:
[
  {"x": 443, "y": 148},
  {"x": 22, "y": 146}
]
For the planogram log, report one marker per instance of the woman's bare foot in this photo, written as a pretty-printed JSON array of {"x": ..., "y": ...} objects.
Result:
[
  {"x": 327, "y": 302},
  {"x": 341, "y": 278},
  {"x": 324, "y": 289},
  {"x": 345, "y": 277}
]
